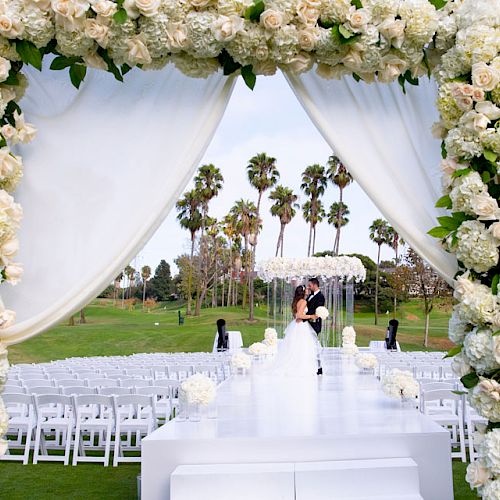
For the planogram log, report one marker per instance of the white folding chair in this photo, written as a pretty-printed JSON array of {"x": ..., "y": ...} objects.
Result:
[
  {"x": 472, "y": 420},
  {"x": 77, "y": 390},
  {"x": 180, "y": 372},
  {"x": 96, "y": 427},
  {"x": 62, "y": 376},
  {"x": 37, "y": 382},
  {"x": 57, "y": 424},
  {"x": 21, "y": 423},
  {"x": 446, "y": 409},
  {"x": 163, "y": 397},
  {"x": 102, "y": 382},
  {"x": 31, "y": 375},
  {"x": 114, "y": 391},
  {"x": 44, "y": 390},
  {"x": 138, "y": 372},
  {"x": 136, "y": 416}
]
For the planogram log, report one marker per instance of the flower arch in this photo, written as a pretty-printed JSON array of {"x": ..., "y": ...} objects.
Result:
[{"x": 457, "y": 42}]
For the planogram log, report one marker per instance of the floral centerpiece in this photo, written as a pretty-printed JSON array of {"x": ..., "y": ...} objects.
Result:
[
  {"x": 241, "y": 361},
  {"x": 197, "y": 390},
  {"x": 259, "y": 349},
  {"x": 271, "y": 339},
  {"x": 366, "y": 361},
  {"x": 349, "y": 346},
  {"x": 400, "y": 384}
]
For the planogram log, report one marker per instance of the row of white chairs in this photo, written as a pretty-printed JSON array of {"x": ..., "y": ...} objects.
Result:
[{"x": 80, "y": 424}]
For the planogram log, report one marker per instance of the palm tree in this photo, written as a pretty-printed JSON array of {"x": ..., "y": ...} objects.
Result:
[
  {"x": 208, "y": 183},
  {"x": 379, "y": 233},
  {"x": 145, "y": 274},
  {"x": 313, "y": 217},
  {"x": 130, "y": 274},
  {"x": 337, "y": 217},
  {"x": 262, "y": 175},
  {"x": 116, "y": 283},
  {"x": 395, "y": 241},
  {"x": 245, "y": 214},
  {"x": 284, "y": 207},
  {"x": 190, "y": 218},
  {"x": 338, "y": 175},
  {"x": 313, "y": 185},
  {"x": 230, "y": 229}
]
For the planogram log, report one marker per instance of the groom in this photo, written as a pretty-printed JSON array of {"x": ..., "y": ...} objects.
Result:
[{"x": 315, "y": 300}]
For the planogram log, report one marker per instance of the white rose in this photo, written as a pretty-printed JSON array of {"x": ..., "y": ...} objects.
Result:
[
  {"x": 464, "y": 102},
  {"x": 265, "y": 68},
  {"x": 449, "y": 165},
  {"x": 478, "y": 94},
  {"x": 8, "y": 162},
  {"x": 261, "y": 53},
  {"x": 225, "y": 28},
  {"x": 474, "y": 121},
  {"x": 43, "y": 5},
  {"x": 463, "y": 287},
  {"x": 460, "y": 365},
  {"x": 271, "y": 19},
  {"x": 10, "y": 28},
  {"x": 7, "y": 318},
  {"x": 131, "y": 9},
  {"x": 307, "y": 14},
  {"x": 104, "y": 8},
  {"x": 308, "y": 39},
  {"x": 9, "y": 249},
  {"x": 199, "y": 3},
  {"x": 485, "y": 77},
  {"x": 138, "y": 53},
  {"x": 177, "y": 34},
  {"x": 485, "y": 207},
  {"x": 393, "y": 30},
  {"x": 148, "y": 8},
  {"x": 477, "y": 474},
  {"x": 488, "y": 109},
  {"x": 97, "y": 31},
  {"x": 353, "y": 59},
  {"x": 301, "y": 63},
  {"x": 9, "y": 133},
  {"x": 494, "y": 229},
  {"x": 392, "y": 67},
  {"x": 94, "y": 60},
  {"x": 358, "y": 18},
  {"x": 25, "y": 131},
  {"x": 13, "y": 273},
  {"x": 4, "y": 69}
]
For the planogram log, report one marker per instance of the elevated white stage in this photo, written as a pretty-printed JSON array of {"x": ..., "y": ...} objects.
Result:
[{"x": 340, "y": 416}]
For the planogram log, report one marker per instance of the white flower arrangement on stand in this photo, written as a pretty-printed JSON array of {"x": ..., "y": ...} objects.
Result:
[
  {"x": 271, "y": 339},
  {"x": 366, "y": 362},
  {"x": 259, "y": 349},
  {"x": 400, "y": 384},
  {"x": 349, "y": 346},
  {"x": 241, "y": 362},
  {"x": 197, "y": 390}
]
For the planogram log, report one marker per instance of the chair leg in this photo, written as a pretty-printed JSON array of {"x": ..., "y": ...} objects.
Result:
[
  {"x": 107, "y": 446},
  {"x": 67, "y": 448},
  {"x": 76, "y": 446},
  {"x": 117, "y": 447},
  {"x": 37, "y": 442},
  {"x": 461, "y": 434},
  {"x": 27, "y": 447}
]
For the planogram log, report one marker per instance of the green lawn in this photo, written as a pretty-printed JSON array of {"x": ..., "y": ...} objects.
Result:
[{"x": 112, "y": 331}]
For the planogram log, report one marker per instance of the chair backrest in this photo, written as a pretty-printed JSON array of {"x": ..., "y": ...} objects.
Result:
[
  {"x": 154, "y": 390},
  {"x": 64, "y": 404},
  {"x": 141, "y": 372},
  {"x": 142, "y": 405},
  {"x": 114, "y": 391},
  {"x": 37, "y": 382},
  {"x": 167, "y": 383},
  {"x": 31, "y": 375},
  {"x": 434, "y": 386},
  {"x": 21, "y": 399},
  {"x": 69, "y": 382},
  {"x": 44, "y": 390},
  {"x": 102, "y": 382},
  {"x": 62, "y": 375},
  {"x": 99, "y": 401},
  {"x": 13, "y": 389},
  {"x": 77, "y": 390}
]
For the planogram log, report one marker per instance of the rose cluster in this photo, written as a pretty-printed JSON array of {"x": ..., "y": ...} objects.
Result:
[
  {"x": 240, "y": 360},
  {"x": 198, "y": 389},
  {"x": 344, "y": 268},
  {"x": 366, "y": 361},
  {"x": 400, "y": 384},
  {"x": 259, "y": 349},
  {"x": 349, "y": 346},
  {"x": 271, "y": 339}
]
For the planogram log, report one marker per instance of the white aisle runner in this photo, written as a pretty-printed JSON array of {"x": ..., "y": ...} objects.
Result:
[{"x": 344, "y": 416}]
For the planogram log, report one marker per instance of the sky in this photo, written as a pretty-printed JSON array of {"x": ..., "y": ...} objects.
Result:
[{"x": 269, "y": 119}]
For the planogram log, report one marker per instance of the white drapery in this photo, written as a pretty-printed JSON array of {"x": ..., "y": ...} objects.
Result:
[
  {"x": 384, "y": 138},
  {"x": 108, "y": 164}
]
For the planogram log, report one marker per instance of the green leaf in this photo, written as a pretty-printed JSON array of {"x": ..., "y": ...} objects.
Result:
[
  {"x": 62, "y": 62},
  {"x": 461, "y": 172},
  {"x": 253, "y": 12},
  {"x": 486, "y": 177},
  {"x": 439, "y": 232},
  {"x": 444, "y": 153},
  {"x": 444, "y": 202},
  {"x": 356, "y": 77},
  {"x": 439, "y": 4},
  {"x": 120, "y": 16},
  {"x": 460, "y": 217},
  {"x": 453, "y": 351},
  {"x": 344, "y": 32},
  {"x": 229, "y": 65},
  {"x": 112, "y": 68},
  {"x": 490, "y": 155},
  {"x": 29, "y": 53},
  {"x": 496, "y": 333},
  {"x": 494, "y": 284},
  {"x": 125, "y": 68},
  {"x": 459, "y": 393},
  {"x": 249, "y": 76},
  {"x": 402, "y": 81},
  {"x": 77, "y": 74},
  {"x": 470, "y": 380},
  {"x": 449, "y": 223},
  {"x": 326, "y": 24},
  {"x": 12, "y": 79},
  {"x": 427, "y": 64},
  {"x": 357, "y": 4}
]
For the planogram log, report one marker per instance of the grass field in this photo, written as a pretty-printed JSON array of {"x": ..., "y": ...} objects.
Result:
[{"x": 113, "y": 331}]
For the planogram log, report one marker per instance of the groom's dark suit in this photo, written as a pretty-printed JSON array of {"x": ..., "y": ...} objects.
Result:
[{"x": 313, "y": 302}]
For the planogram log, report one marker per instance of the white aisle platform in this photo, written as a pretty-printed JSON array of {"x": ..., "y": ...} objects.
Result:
[{"x": 341, "y": 416}]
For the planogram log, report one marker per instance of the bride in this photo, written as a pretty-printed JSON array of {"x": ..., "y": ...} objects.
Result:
[{"x": 299, "y": 352}]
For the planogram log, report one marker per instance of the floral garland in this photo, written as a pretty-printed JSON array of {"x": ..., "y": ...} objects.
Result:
[
  {"x": 469, "y": 98},
  {"x": 345, "y": 268},
  {"x": 383, "y": 40}
]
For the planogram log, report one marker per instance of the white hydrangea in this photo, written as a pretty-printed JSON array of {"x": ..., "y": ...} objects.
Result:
[
  {"x": 421, "y": 20},
  {"x": 73, "y": 43},
  {"x": 241, "y": 360},
  {"x": 284, "y": 44},
  {"x": 366, "y": 361},
  {"x": 491, "y": 490},
  {"x": 478, "y": 348},
  {"x": 350, "y": 349},
  {"x": 258, "y": 349},
  {"x": 348, "y": 335},
  {"x": 460, "y": 365},
  {"x": 195, "y": 68},
  {"x": 400, "y": 384},
  {"x": 203, "y": 43},
  {"x": 489, "y": 450},
  {"x": 38, "y": 25},
  {"x": 485, "y": 398},
  {"x": 477, "y": 305},
  {"x": 154, "y": 29},
  {"x": 457, "y": 328},
  {"x": 465, "y": 188},
  {"x": 462, "y": 143},
  {"x": 198, "y": 389}
]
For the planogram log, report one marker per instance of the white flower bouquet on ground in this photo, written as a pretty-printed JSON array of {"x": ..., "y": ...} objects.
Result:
[
  {"x": 366, "y": 361},
  {"x": 400, "y": 384}
]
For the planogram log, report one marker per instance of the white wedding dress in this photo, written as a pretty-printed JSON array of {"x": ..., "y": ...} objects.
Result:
[{"x": 298, "y": 353}]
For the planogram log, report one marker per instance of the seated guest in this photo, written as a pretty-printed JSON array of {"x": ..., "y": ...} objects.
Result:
[{"x": 222, "y": 339}]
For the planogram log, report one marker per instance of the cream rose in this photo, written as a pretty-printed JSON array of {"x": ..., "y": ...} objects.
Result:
[
  {"x": 261, "y": 53},
  {"x": 301, "y": 63},
  {"x": 43, "y": 5},
  {"x": 449, "y": 165},
  {"x": 10, "y": 28},
  {"x": 358, "y": 19},
  {"x": 9, "y": 133},
  {"x": 138, "y": 52},
  {"x": 308, "y": 38},
  {"x": 177, "y": 35},
  {"x": 477, "y": 474},
  {"x": 463, "y": 286},
  {"x": 4, "y": 69},
  {"x": 331, "y": 72},
  {"x": 94, "y": 60},
  {"x": 25, "y": 131},
  {"x": 97, "y": 31},
  {"x": 7, "y": 94},
  {"x": 464, "y": 102},
  {"x": 131, "y": 9},
  {"x": 474, "y": 121},
  {"x": 104, "y": 8},
  {"x": 7, "y": 318},
  {"x": 485, "y": 207},
  {"x": 307, "y": 14},
  {"x": 148, "y": 8},
  {"x": 485, "y": 77},
  {"x": 225, "y": 28},
  {"x": 8, "y": 163},
  {"x": 13, "y": 273},
  {"x": 9, "y": 249},
  {"x": 353, "y": 59},
  {"x": 394, "y": 31},
  {"x": 271, "y": 19},
  {"x": 392, "y": 67},
  {"x": 265, "y": 68},
  {"x": 494, "y": 229},
  {"x": 439, "y": 131},
  {"x": 478, "y": 94},
  {"x": 199, "y": 3},
  {"x": 488, "y": 109}
]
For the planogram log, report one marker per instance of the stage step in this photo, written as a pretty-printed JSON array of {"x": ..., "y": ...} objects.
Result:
[{"x": 385, "y": 478}]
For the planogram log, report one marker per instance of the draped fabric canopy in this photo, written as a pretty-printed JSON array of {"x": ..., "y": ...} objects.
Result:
[
  {"x": 108, "y": 163},
  {"x": 111, "y": 159},
  {"x": 384, "y": 138}
]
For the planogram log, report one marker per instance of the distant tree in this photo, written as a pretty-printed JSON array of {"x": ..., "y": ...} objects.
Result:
[
  {"x": 116, "y": 285},
  {"x": 338, "y": 218},
  {"x": 83, "y": 319},
  {"x": 395, "y": 241},
  {"x": 284, "y": 207},
  {"x": 161, "y": 283},
  {"x": 130, "y": 274},
  {"x": 145, "y": 275}
]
